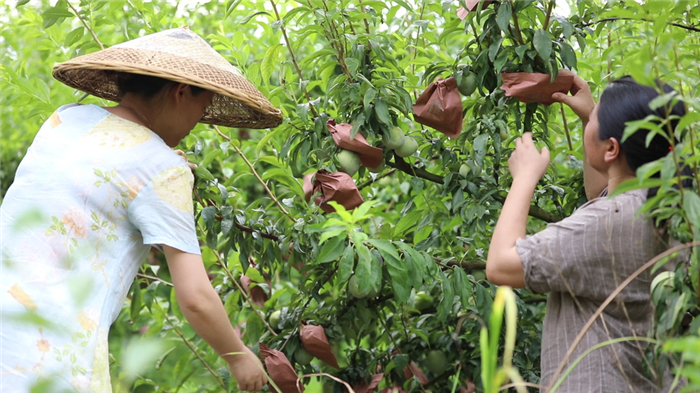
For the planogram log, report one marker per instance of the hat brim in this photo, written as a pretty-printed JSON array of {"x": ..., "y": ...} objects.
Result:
[{"x": 236, "y": 102}]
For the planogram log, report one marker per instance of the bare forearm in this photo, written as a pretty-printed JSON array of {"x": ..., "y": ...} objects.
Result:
[
  {"x": 503, "y": 265},
  {"x": 210, "y": 321}
]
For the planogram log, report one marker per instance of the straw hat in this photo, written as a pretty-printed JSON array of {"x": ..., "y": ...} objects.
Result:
[{"x": 181, "y": 56}]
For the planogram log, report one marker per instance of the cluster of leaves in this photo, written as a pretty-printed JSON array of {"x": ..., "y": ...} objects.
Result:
[{"x": 425, "y": 227}]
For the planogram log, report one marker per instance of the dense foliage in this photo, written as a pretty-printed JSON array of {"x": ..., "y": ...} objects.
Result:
[{"x": 418, "y": 243}]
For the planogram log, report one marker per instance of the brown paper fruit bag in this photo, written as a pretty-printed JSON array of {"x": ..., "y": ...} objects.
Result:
[
  {"x": 535, "y": 87},
  {"x": 369, "y": 388},
  {"x": 411, "y": 370},
  {"x": 338, "y": 187},
  {"x": 314, "y": 340},
  {"x": 257, "y": 295},
  {"x": 440, "y": 107},
  {"x": 370, "y": 156},
  {"x": 281, "y": 371}
]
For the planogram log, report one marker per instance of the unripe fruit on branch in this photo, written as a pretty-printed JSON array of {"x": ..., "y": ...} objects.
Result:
[
  {"x": 354, "y": 288},
  {"x": 275, "y": 319},
  {"x": 409, "y": 147},
  {"x": 467, "y": 84},
  {"x": 464, "y": 170},
  {"x": 422, "y": 300},
  {"x": 436, "y": 362},
  {"x": 302, "y": 356},
  {"x": 349, "y": 161},
  {"x": 394, "y": 138}
]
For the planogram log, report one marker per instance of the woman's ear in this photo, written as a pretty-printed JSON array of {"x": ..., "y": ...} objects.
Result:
[
  {"x": 178, "y": 92},
  {"x": 613, "y": 150}
]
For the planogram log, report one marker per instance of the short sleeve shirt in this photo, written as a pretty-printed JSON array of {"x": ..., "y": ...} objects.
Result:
[
  {"x": 90, "y": 197},
  {"x": 579, "y": 262}
]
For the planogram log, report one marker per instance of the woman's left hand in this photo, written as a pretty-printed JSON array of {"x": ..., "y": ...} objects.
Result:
[
  {"x": 526, "y": 162},
  {"x": 184, "y": 157}
]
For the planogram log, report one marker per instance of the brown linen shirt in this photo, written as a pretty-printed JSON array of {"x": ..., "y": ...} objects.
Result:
[{"x": 580, "y": 261}]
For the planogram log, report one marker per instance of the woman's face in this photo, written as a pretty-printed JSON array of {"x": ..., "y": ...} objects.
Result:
[
  {"x": 188, "y": 113},
  {"x": 595, "y": 148}
]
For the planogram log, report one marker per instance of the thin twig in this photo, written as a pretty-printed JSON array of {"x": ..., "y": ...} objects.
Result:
[
  {"x": 154, "y": 278},
  {"x": 609, "y": 300},
  {"x": 235, "y": 282},
  {"x": 550, "y": 7},
  {"x": 255, "y": 173},
  {"x": 294, "y": 60},
  {"x": 371, "y": 181},
  {"x": 517, "y": 24},
  {"x": 566, "y": 127},
  {"x": 691, "y": 28},
  {"x": 191, "y": 347},
  {"x": 86, "y": 25}
]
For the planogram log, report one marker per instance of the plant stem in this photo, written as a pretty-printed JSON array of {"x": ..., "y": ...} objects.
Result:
[
  {"x": 191, "y": 347},
  {"x": 369, "y": 182},
  {"x": 691, "y": 28},
  {"x": 235, "y": 282},
  {"x": 566, "y": 127},
  {"x": 403, "y": 166},
  {"x": 255, "y": 173},
  {"x": 294, "y": 60},
  {"x": 85, "y": 24},
  {"x": 516, "y": 24},
  {"x": 550, "y": 7}
]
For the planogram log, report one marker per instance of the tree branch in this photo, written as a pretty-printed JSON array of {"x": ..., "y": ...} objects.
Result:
[
  {"x": 535, "y": 211},
  {"x": 691, "y": 28},
  {"x": 255, "y": 173},
  {"x": 294, "y": 60},
  {"x": 86, "y": 25}
]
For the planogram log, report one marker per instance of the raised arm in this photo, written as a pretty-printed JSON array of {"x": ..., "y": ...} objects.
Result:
[
  {"x": 582, "y": 104},
  {"x": 204, "y": 311},
  {"x": 527, "y": 165}
]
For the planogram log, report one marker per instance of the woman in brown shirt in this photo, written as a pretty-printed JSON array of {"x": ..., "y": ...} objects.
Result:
[{"x": 581, "y": 260}]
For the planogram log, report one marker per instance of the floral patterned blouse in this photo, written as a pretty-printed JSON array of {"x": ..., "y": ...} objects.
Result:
[{"x": 93, "y": 192}]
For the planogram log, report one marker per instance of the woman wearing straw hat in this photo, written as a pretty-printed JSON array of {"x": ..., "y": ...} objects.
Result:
[{"x": 99, "y": 187}]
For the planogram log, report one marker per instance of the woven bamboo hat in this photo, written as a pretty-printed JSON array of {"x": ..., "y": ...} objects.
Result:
[{"x": 178, "y": 55}]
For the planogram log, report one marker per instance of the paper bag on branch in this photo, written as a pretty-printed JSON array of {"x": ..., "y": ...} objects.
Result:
[
  {"x": 411, "y": 370},
  {"x": 257, "y": 294},
  {"x": 534, "y": 87},
  {"x": 440, "y": 107},
  {"x": 314, "y": 340},
  {"x": 369, "y": 388},
  {"x": 370, "y": 156},
  {"x": 281, "y": 371},
  {"x": 471, "y": 6},
  {"x": 338, "y": 187}
]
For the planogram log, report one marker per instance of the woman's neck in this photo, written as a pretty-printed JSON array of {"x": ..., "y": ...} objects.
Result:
[{"x": 617, "y": 176}]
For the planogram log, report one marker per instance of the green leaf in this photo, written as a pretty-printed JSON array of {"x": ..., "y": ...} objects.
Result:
[
  {"x": 382, "y": 111},
  {"x": 74, "y": 36},
  {"x": 384, "y": 247},
  {"x": 568, "y": 55},
  {"x": 209, "y": 216},
  {"x": 364, "y": 268},
  {"x": 331, "y": 250},
  {"x": 136, "y": 300},
  {"x": 399, "y": 277},
  {"x": 691, "y": 205},
  {"x": 446, "y": 299},
  {"x": 57, "y": 12},
  {"x": 203, "y": 173},
  {"x": 503, "y": 16},
  {"x": 22, "y": 2},
  {"x": 369, "y": 97},
  {"x": 407, "y": 222},
  {"x": 270, "y": 62},
  {"x": 462, "y": 285},
  {"x": 543, "y": 44},
  {"x": 253, "y": 15},
  {"x": 347, "y": 264}
]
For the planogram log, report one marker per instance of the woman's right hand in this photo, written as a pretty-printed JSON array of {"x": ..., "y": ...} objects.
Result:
[
  {"x": 247, "y": 370},
  {"x": 581, "y": 102}
]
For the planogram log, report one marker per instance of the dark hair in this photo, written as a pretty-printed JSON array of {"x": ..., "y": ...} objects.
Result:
[
  {"x": 145, "y": 85},
  {"x": 624, "y": 100}
]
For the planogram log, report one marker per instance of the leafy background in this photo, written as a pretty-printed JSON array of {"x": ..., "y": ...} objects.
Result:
[{"x": 424, "y": 228}]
